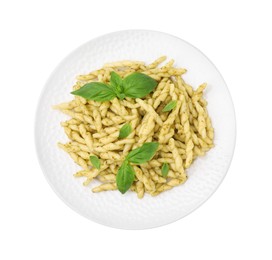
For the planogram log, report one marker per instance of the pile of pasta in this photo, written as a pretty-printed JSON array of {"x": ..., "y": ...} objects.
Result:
[{"x": 183, "y": 133}]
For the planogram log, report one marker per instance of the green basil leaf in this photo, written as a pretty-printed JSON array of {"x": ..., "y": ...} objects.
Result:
[
  {"x": 143, "y": 154},
  {"x": 116, "y": 82},
  {"x": 95, "y": 91},
  {"x": 95, "y": 162},
  {"x": 125, "y": 130},
  {"x": 121, "y": 96},
  {"x": 165, "y": 169},
  {"x": 138, "y": 85},
  {"x": 125, "y": 177},
  {"x": 171, "y": 105}
]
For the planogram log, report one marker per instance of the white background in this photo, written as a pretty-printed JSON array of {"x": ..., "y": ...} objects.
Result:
[{"x": 235, "y": 223}]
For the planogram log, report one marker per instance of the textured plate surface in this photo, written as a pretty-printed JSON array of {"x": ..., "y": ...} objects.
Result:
[{"x": 127, "y": 211}]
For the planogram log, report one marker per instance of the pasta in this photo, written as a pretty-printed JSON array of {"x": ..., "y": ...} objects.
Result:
[{"x": 183, "y": 133}]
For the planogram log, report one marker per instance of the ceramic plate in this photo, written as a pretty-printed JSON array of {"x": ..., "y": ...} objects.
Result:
[{"x": 127, "y": 211}]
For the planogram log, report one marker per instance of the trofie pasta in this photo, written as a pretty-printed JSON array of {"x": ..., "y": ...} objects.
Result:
[{"x": 170, "y": 118}]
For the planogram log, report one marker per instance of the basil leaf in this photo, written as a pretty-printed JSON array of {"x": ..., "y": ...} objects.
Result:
[
  {"x": 138, "y": 85},
  {"x": 95, "y": 91},
  {"x": 165, "y": 169},
  {"x": 95, "y": 162},
  {"x": 125, "y": 130},
  {"x": 143, "y": 154},
  {"x": 121, "y": 96},
  {"x": 171, "y": 105},
  {"x": 125, "y": 177},
  {"x": 116, "y": 82}
]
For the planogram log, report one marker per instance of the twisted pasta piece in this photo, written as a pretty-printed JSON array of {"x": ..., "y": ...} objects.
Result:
[
  {"x": 176, "y": 156},
  {"x": 188, "y": 137},
  {"x": 140, "y": 189},
  {"x": 105, "y": 187}
]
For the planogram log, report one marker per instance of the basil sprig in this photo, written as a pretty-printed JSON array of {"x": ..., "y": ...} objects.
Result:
[
  {"x": 138, "y": 85},
  {"x": 95, "y": 161},
  {"x": 96, "y": 91},
  {"x": 125, "y": 177},
  {"x": 165, "y": 169},
  {"x": 125, "y": 130},
  {"x": 135, "y": 85},
  {"x": 143, "y": 154},
  {"x": 126, "y": 174},
  {"x": 171, "y": 105}
]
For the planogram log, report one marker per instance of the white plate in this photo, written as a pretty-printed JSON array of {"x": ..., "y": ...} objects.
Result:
[{"x": 127, "y": 211}]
